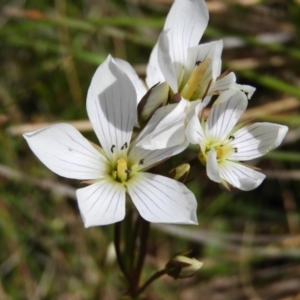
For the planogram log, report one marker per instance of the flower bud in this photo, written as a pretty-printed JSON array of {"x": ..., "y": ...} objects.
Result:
[
  {"x": 182, "y": 267},
  {"x": 156, "y": 97},
  {"x": 181, "y": 172}
]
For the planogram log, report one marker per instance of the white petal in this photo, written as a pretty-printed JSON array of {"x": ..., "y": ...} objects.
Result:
[
  {"x": 166, "y": 65},
  {"x": 206, "y": 101},
  {"x": 241, "y": 177},
  {"x": 212, "y": 168},
  {"x": 158, "y": 97},
  {"x": 66, "y": 152},
  {"x": 102, "y": 203},
  {"x": 154, "y": 74},
  {"x": 166, "y": 128},
  {"x": 256, "y": 140},
  {"x": 212, "y": 51},
  {"x": 111, "y": 106},
  {"x": 222, "y": 84},
  {"x": 248, "y": 89},
  {"x": 229, "y": 82},
  {"x": 194, "y": 131},
  {"x": 152, "y": 157},
  {"x": 139, "y": 85},
  {"x": 187, "y": 21},
  {"x": 162, "y": 200},
  {"x": 224, "y": 114}
]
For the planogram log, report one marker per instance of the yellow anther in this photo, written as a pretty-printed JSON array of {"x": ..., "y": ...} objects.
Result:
[
  {"x": 194, "y": 80},
  {"x": 121, "y": 169}
]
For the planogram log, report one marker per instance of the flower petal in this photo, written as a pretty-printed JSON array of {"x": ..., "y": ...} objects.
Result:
[
  {"x": 166, "y": 65},
  {"x": 240, "y": 176},
  {"x": 256, "y": 140},
  {"x": 158, "y": 96},
  {"x": 248, "y": 89},
  {"x": 162, "y": 200},
  {"x": 166, "y": 128},
  {"x": 138, "y": 84},
  {"x": 224, "y": 114},
  {"x": 102, "y": 203},
  {"x": 187, "y": 21},
  {"x": 194, "y": 131},
  {"x": 111, "y": 106},
  {"x": 154, "y": 74},
  {"x": 229, "y": 82},
  {"x": 66, "y": 152},
  {"x": 200, "y": 53},
  {"x": 212, "y": 168},
  {"x": 222, "y": 84},
  {"x": 152, "y": 157}
]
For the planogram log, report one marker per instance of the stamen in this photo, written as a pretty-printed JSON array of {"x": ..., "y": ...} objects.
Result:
[
  {"x": 121, "y": 169},
  {"x": 194, "y": 80},
  {"x": 112, "y": 148},
  {"x": 124, "y": 146},
  {"x": 219, "y": 153},
  {"x": 141, "y": 162},
  {"x": 231, "y": 138},
  {"x": 235, "y": 150},
  {"x": 198, "y": 62}
]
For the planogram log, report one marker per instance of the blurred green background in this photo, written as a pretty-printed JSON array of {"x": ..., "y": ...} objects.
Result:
[{"x": 249, "y": 242}]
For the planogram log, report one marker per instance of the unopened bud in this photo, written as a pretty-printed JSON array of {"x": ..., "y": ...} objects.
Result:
[
  {"x": 110, "y": 254},
  {"x": 181, "y": 172},
  {"x": 182, "y": 267},
  {"x": 156, "y": 97}
]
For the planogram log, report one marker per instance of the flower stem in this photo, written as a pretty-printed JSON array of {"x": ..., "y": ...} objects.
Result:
[
  {"x": 155, "y": 276},
  {"x": 117, "y": 233},
  {"x": 136, "y": 230},
  {"x": 144, "y": 233}
]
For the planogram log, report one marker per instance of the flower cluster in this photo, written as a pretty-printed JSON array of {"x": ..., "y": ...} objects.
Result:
[{"x": 166, "y": 112}]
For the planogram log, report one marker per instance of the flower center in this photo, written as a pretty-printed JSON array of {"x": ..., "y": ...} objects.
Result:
[
  {"x": 121, "y": 170},
  {"x": 222, "y": 150},
  {"x": 192, "y": 86}
]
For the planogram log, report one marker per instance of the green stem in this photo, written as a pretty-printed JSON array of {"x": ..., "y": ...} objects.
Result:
[
  {"x": 136, "y": 230},
  {"x": 143, "y": 250},
  {"x": 117, "y": 233},
  {"x": 155, "y": 276}
]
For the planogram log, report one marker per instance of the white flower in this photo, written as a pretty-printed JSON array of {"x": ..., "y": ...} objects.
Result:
[
  {"x": 157, "y": 95},
  {"x": 168, "y": 125},
  {"x": 118, "y": 166},
  {"x": 192, "y": 70},
  {"x": 222, "y": 147}
]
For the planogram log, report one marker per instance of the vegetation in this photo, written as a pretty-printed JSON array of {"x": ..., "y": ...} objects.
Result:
[{"x": 249, "y": 242}]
